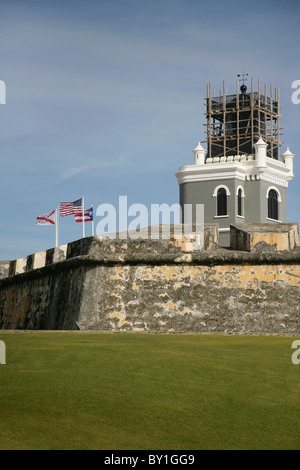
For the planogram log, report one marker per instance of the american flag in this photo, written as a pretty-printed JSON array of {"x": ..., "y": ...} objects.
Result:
[
  {"x": 88, "y": 216},
  {"x": 69, "y": 208}
]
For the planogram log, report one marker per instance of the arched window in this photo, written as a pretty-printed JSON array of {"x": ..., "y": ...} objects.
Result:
[
  {"x": 239, "y": 202},
  {"x": 221, "y": 202},
  {"x": 273, "y": 204}
]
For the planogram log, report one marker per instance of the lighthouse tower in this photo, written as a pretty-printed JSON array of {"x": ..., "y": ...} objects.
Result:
[{"x": 239, "y": 177}]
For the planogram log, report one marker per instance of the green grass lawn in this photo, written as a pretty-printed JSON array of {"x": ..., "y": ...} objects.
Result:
[{"x": 78, "y": 390}]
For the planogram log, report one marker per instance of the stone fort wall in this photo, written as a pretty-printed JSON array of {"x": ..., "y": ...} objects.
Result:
[{"x": 160, "y": 286}]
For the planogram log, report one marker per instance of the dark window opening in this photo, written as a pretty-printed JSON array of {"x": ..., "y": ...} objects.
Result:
[
  {"x": 239, "y": 200},
  {"x": 221, "y": 202},
  {"x": 273, "y": 205}
]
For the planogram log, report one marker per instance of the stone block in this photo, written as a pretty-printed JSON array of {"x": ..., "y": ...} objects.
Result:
[
  {"x": 264, "y": 237},
  {"x": 36, "y": 260},
  {"x": 54, "y": 255},
  {"x": 17, "y": 266},
  {"x": 4, "y": 269}
]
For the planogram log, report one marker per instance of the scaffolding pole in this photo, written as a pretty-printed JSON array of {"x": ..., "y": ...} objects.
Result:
[{"x": 235, "y": 122}]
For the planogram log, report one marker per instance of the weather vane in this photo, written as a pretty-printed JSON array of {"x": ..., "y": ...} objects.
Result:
[
  {"x": 243, "y": 79},
  {"x": 243, "y": 75}
]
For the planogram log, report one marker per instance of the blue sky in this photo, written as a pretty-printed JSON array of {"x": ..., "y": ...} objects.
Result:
[{"x": 105, "y": 98}]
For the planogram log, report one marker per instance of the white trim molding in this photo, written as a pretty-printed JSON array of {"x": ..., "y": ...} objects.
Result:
[
  {"x": 276, "y": 191},
  {"x": 239, "y": 167},
  {"x": 237, "y": 190},
  {"x": 274, "y": 220},
  {"x": 221, "y": 186}
]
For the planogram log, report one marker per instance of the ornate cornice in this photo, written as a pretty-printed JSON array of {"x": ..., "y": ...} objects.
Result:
[{"x": 238, "y": 167}]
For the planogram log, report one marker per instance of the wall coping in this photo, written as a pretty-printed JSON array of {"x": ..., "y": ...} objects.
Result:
[
  {"x": 210, "y": 259},
  {"x": 176, "y": 250}
]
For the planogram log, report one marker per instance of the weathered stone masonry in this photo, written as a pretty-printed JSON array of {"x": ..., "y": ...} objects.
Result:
[{"x": 156, "y": 286}]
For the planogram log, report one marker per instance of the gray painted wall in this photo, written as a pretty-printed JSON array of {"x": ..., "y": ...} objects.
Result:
[{"x": 255, "y": 203}]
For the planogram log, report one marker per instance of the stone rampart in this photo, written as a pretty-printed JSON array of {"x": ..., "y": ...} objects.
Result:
[{"x": 173, "y": 285}]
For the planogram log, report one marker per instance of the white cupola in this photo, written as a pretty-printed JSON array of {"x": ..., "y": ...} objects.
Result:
[
  {"x": 199, "y": 155},
  {"x": 288, "y": 157},
  {"x": 261, "y": 155}
]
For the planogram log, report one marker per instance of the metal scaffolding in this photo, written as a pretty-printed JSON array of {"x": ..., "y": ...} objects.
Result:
[{"x": 235, "y": 122}]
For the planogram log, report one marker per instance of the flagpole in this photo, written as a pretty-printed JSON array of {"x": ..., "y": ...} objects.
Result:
[
  {"x": 93, "y": 221},
  {"x": 56, "y": 228},
  {"x": 83, "y": 232}
]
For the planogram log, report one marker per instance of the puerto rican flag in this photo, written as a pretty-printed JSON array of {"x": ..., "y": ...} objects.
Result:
[
  {"x": 88, "y": 216},
  {"x": 46, "y": 219}
]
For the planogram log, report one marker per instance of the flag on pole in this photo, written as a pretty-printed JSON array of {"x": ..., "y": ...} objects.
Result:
[
  {"x": 46, "y": 219},
  {"x": 69, "y": 208},
  {"x": 50, "y": 218},
  {"x": 88, "y": 216}
]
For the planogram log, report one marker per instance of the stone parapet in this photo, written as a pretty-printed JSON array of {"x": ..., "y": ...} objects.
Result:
[
  {"x": 230, "y": 159},
  {"x": 155, "y": 239},
  {"x": 173, "y": 285},
  {"x": 54, "y": 255},
  {"x": 224, "y": 291},
  {"x": 176, "y": 247},
  {"x": 264, "y": 237},
  {"x": 4, "y": 269},
  {"x": 17, "y": 266},
  {"x": 36, "y": 260},
  {"x": 120, "y": 247}
]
